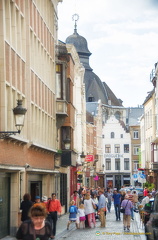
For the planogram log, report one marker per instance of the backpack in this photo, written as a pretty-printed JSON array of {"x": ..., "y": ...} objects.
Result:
[{"x": 72, "y": 209}]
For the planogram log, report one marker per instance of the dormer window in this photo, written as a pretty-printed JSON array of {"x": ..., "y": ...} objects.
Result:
[{"x": 90, "y": 99}]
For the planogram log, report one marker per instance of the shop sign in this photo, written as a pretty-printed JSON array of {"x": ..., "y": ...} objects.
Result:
[
  {"x": 113, "y": 155},
  {"x": 89, "y": 158}
]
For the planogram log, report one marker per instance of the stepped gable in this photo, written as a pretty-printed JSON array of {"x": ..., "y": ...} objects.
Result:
[{"x": 123, "y": 125}]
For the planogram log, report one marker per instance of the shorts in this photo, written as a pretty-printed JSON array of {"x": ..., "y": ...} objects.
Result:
[{"x": 82, "y": 219}]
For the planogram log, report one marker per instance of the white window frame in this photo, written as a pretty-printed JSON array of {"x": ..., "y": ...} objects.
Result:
[{"x": 136, "y": 134}]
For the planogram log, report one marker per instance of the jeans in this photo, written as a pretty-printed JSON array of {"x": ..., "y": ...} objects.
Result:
[
  {"x": 132, "y": 213},
  {"x": 117, "y": 211},
  {"x": 109, "y": 206},
  {"x": 53, "y": 218}
]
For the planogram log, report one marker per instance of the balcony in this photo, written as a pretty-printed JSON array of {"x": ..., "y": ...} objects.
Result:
[
  {"x": 154, "y": 166},
  {"x": 61, "y": 111}
]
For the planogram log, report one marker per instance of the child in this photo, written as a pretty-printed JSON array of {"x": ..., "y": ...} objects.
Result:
[
  {"x": 82, "y": 215},
  {"x": 73, "y": 214}
]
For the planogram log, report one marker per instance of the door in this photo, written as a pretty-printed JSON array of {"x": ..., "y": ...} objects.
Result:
[
  {"x": 4, "y": 205},
  {"x": 36, "y": 189}
]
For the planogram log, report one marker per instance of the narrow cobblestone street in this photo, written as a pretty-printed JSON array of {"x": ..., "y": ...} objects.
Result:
[{"x": 113, "y": 230}]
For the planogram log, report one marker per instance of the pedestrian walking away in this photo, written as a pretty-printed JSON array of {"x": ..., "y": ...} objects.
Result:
[
  {"x": 54, "y": 208},
  {"x": 102, "y": 207},
  {"x": 127, "y": 205},
  {"x": 117, "y": 200},
  {"x": 36, "y": 227},
  {"x": 72, "y": 214},
  {"x": 82, "y": 217},
  {"x": 108, "y": 195},
  {"x": 25, "y": 206}
]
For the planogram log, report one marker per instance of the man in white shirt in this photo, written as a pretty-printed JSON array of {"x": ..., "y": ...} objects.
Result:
[{"x": 146, "y": 199}]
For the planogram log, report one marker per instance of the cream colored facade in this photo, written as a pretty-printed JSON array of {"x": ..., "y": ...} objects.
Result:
[
  {"x": 28, "y": 36},
  {"x": 79, "y": 104},
  {"x": 149, "y": 129}
]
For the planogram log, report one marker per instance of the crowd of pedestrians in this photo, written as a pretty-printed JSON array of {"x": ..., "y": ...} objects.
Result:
[{"x": 39, "y": 218}]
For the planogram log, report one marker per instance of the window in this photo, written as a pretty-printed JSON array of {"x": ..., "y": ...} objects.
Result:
[
  {"x": 121, "y": 135},
  {"x": 90, "y": 99},
  {"x": 117, "y": 148},
  {"x": 59, "y": 81},
  {"x": 117, "y": 164},
  {"x": 108, "y": 148},
  {"x": 117, "y": 115},
  {"x": 136, "y": 134},
  {"x": 136, "y": 150},
  {"x": 68, "y": 90},
  {"x": 112, "y": 135},
  {"x": 126, "y": 148},
  {"x": 108, "y": 164},
  {"x": 126, "y": 164},
  {"x": 136, "y": 166}
]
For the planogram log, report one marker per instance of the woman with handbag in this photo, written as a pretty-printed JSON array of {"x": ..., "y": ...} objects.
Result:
[
  {"x": 126, "y": 207},
  {"x": 89, "y": 206}
]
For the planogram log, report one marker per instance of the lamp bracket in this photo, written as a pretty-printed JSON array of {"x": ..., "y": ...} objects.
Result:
[{"x": 4, "y": 135}]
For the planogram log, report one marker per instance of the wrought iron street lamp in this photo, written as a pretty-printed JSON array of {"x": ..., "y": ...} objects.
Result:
[{"x": 19, "y": 116}]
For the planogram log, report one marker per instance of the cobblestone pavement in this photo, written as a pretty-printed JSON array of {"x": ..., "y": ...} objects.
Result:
[{"x": 113, "y": 230}]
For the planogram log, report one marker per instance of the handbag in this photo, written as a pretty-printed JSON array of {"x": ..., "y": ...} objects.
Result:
[
  {"x": 122, "y": 210},
  {"x": 94, "y": 206}
]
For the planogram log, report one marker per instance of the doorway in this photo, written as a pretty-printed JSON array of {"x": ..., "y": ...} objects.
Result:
[
  {"x": 4, "y": 205},
  {"x": 35, "y": 189}
]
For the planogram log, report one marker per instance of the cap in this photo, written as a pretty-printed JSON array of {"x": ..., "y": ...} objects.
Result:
[
  {"x": 37, "y": 197},
  {"x": 44, "y": 198}
]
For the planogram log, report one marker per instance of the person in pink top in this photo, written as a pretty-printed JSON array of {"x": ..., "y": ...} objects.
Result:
[
  {"x": 75, "y": 197},
  {"x": 145, "y": 192}
]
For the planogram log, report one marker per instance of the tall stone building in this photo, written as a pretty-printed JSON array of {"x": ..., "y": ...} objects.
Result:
[{"x": 28, "y": 35}]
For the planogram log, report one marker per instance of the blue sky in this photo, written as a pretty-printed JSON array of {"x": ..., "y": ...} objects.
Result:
[{"x": 122, "y": 36}]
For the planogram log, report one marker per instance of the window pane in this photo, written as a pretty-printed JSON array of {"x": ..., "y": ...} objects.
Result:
[
  {"x": 136, "y": 150},
  {"x": 108, "y": 164},
  {"x": 117, "y": 148},
  {"x": 126, "y": 164},
  {"x": 58, "y": 85},
  {"x": 135, "y": 134},
  {"x": 126, "y": 148},
  {"x": 117, "y": 164},
  {"x": 108, "y": 148},
  {"x": 112, "y": 135}
]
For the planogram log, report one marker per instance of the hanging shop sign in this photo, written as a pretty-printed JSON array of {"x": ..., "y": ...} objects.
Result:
[{"x": 89, "y": 158}]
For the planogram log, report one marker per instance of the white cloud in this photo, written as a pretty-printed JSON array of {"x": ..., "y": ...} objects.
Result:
[{"x": 122, "y": 37}]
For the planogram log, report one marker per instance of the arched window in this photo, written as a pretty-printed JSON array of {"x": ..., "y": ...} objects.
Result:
[
  {"x": 112, "y": 135},
  {"x": 117, "y": 115}
]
